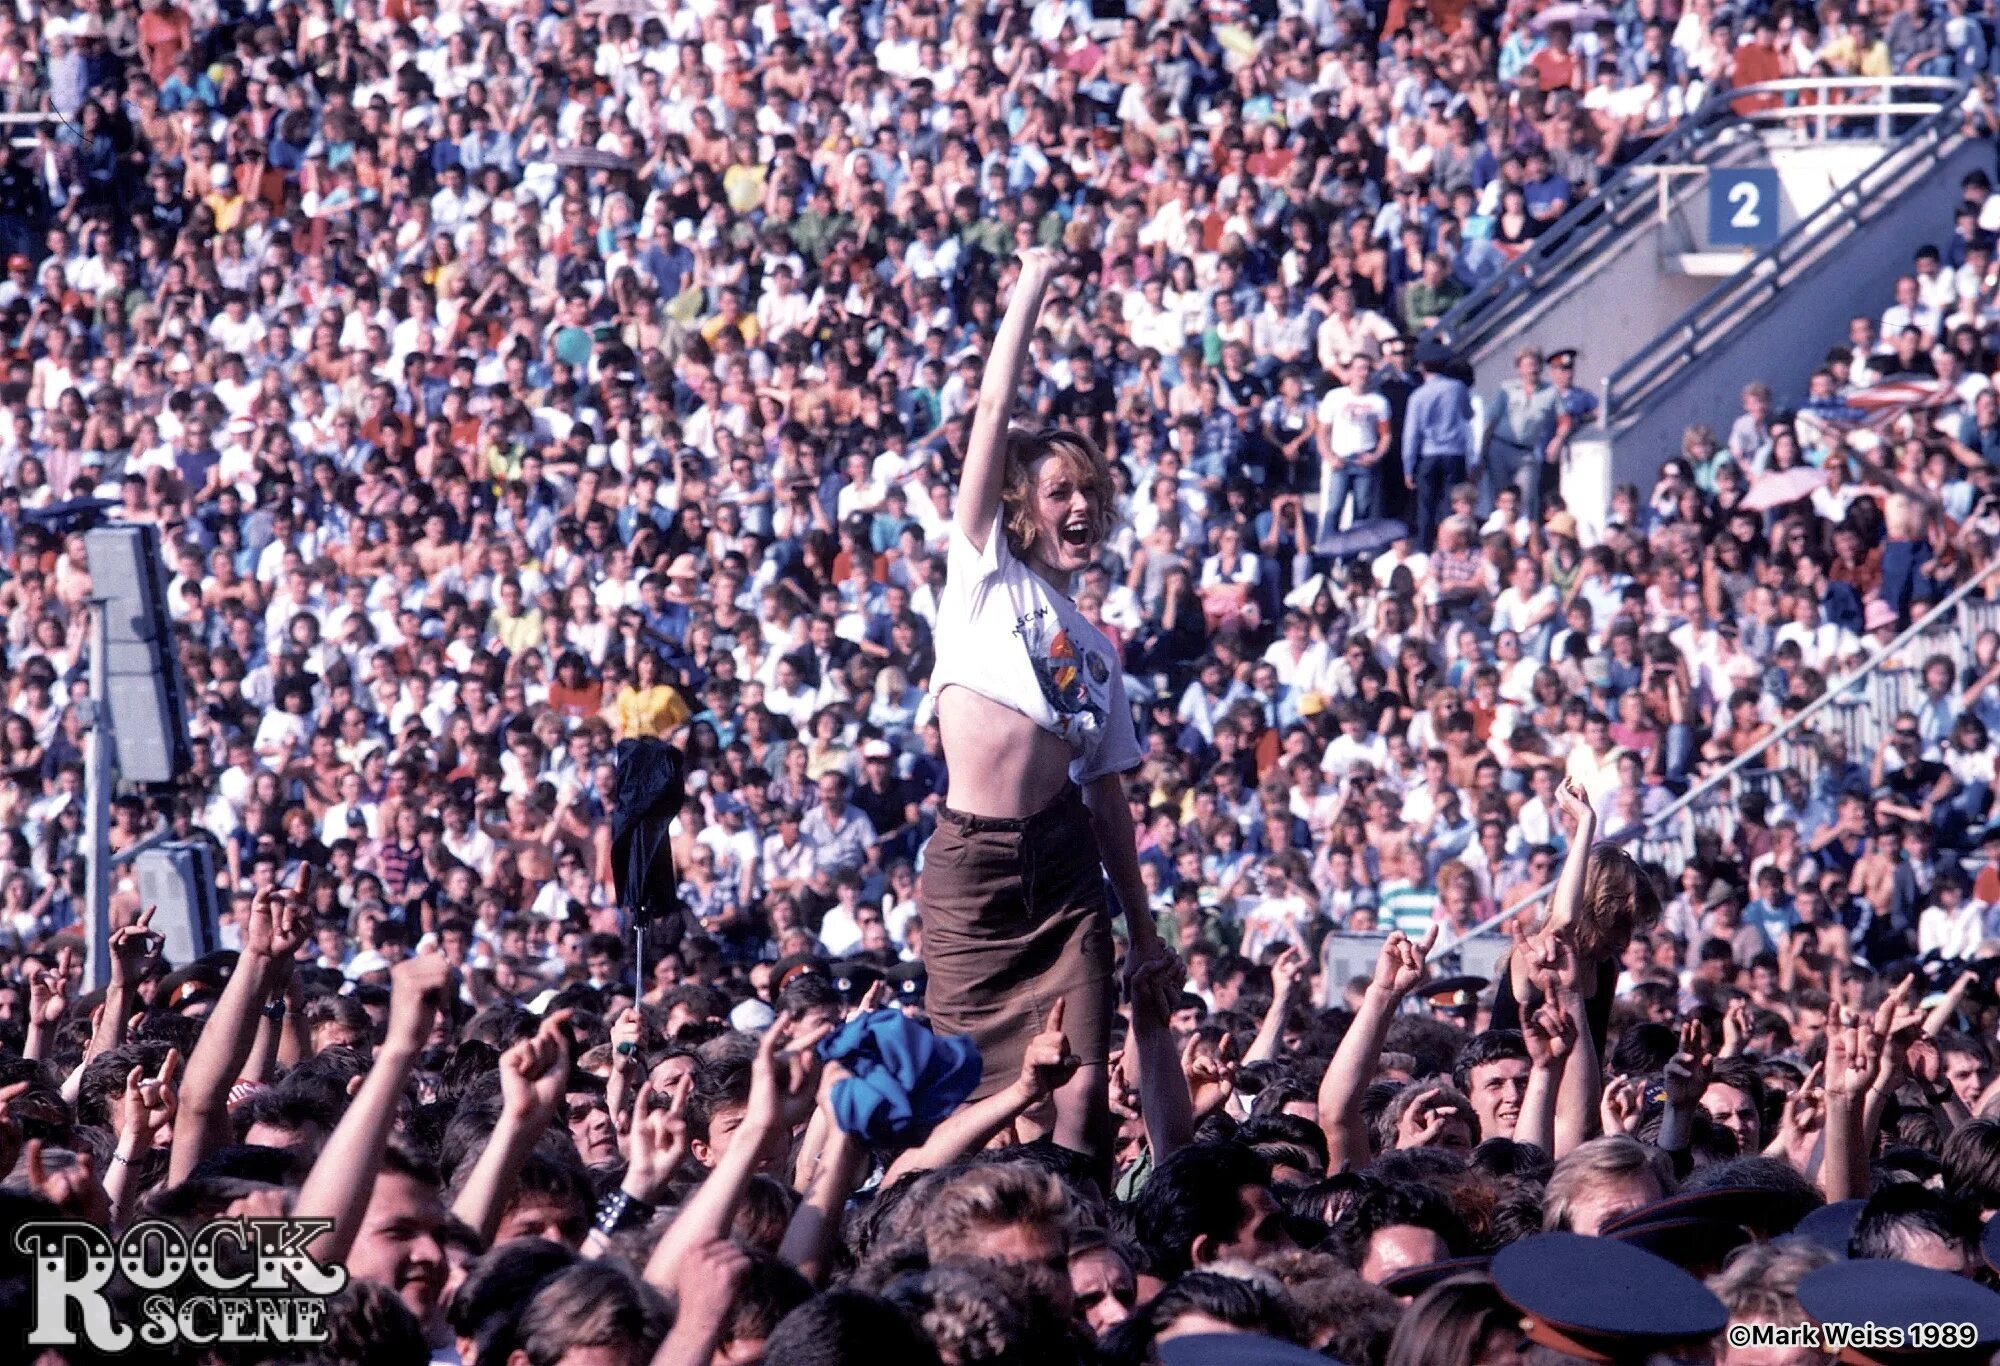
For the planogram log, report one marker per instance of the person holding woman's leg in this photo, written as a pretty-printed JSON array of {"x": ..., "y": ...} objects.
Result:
[{"x": 1037, "y": 737}]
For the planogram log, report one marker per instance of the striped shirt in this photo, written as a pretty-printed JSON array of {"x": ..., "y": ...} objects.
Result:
[{"x": 1407, "y": 907}]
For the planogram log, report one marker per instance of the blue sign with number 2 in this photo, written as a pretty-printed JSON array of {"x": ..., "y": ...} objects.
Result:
[{"x": 1743, "y": 208}]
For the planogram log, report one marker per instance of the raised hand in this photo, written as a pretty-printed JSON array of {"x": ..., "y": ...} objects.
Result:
[
  {"x": 74, "y": 1189},
  {"x": 1422, "y": 1125},
  {"x": 1621, "y": 1106},
  {"x": 1736, "y": 1026},
  {"x": 278, "y": 921},
  {"x": 1923, "y": 1063},
  {"x": 132, "y": 945},
  {"x": 1896, "y": 1017},
  {"x": 1853, "y": 1056},
  {"x": 1804, "y": 1112},
  {"x": 627, "y": 1032},
  {"x": 1550, "y": 1035},
  {"x": 10, "y": 1127},
  {"x": 1161, "y": 971},
  {"x": 783, "y": 1080},
  {"x": 1210, "y": 1073},
  {"x": 291, "y": 927},
  {"x": 875, "y": 998},
  {"x": 534, "y": 1071},
  {"x": 1552, "y": 966},
  {"x": 1898, "y": 1026},
  {"x": 417, "y": 987},
  {"x": 48, "y": 997},
  {"x": 150, "y": 1106},
  {"x": 1048, "y": 1064},
  {"x": 659, "y": 1141},
  {"x": 1400, "y": 967},
  {"x": 1288, "y": 971},
  {"x": 1687, "y": 1071},
  {"x": 1041, "y": 261},
  {"x": 1574, "y": 803}
]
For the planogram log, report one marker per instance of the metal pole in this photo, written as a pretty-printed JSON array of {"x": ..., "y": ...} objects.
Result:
[
  {"x": 1833, "y": 693},
  {"x": 98, "y": 778}
]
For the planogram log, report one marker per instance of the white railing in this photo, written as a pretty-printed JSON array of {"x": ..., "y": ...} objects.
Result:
[
  {"x": 1934, "y": 130},
  {"x": 22, "y": 128},
  {"x": 1821, "y": 106},
  {"x": 1664, "y": 177},
  {"x": 1857, "y": 705}
]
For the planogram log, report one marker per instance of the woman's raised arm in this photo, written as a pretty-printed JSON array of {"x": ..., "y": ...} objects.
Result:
[{"x": 986, "y": 449}]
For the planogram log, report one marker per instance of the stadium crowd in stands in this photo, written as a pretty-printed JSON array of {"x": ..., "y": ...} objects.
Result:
[{"x": 509, "y": 381}]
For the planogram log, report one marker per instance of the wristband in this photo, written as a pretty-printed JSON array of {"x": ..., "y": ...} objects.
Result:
[
  {"x": 621, "y": 1209},
  {"x": 275, "y": 1011}
]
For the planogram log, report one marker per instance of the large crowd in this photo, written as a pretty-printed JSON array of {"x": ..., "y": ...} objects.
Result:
[{"x": 510, "y": 381}]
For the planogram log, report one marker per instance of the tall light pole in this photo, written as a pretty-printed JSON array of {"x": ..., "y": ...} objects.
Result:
[{"x": 100, "y": 774}]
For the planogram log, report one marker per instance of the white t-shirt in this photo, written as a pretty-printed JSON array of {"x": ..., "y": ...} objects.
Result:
[
  {"x": 1005, "y": 634},
  {"x": 1353, "y": 421}
]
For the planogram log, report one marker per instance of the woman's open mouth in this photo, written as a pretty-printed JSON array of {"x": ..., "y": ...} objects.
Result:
[{"x": 1076, "y": 534}]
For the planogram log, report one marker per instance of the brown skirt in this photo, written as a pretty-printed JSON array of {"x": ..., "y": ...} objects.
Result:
[{"x": 1016, "y": 917}]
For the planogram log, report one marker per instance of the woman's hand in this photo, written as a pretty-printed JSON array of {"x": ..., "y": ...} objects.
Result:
[
  {"x": 1040, "y": 263},
  {"x": 1153, "y": 977},
  {"x": 1574, "y": 803}
]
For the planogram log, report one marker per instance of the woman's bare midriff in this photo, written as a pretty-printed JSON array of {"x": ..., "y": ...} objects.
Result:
[{"x": 1001, "y": 764}]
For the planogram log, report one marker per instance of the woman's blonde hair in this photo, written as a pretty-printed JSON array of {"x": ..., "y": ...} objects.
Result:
[
  {"x": 1618, "y": 901},
  {"x": 1025, "y": 451}
]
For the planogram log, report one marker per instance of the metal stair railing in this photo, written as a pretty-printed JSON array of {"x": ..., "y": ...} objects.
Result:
[
  {"x": 1709, "y": 806},
  {"x": 1626, "y": 198},
  {"x": 1715, "y": 319},
  {"x": 1640, "y": 188}
]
